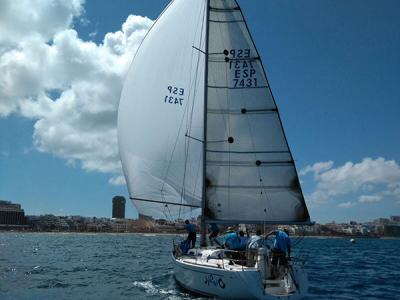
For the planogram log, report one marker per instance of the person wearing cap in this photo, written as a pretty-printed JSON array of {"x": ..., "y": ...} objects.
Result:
[
  {"x": 191, "y": 229},
  {"x": 231, "y": 239}
]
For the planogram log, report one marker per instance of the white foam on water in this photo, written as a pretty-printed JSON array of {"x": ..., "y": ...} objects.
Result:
[
  {"x": 148, "y": 286},
  {"x": 151, "y": 288}
]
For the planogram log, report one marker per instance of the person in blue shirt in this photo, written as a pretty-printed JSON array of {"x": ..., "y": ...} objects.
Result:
[
  {"x": 255, "y": 241},
  {"x": 253, "y": 244},
  {"x": 191, "y": 229},
  {"x": 232, "y": 242},
  {"x": 279, "y": 249},
  {"x": 231, "y": 239}
]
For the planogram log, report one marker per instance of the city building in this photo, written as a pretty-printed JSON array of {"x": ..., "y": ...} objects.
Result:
[
  {"x": 391, "y": 230},
  {"x": 118, "y": 208},
  {"x": 11, "y": 214},
  {"x": 395, "y": 219}
]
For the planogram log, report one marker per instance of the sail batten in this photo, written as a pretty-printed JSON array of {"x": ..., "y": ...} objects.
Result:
[{"x": 163, "y": 202}]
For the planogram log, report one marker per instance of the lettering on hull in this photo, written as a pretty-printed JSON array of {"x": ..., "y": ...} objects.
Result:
[{"x": 212, "y": 280}]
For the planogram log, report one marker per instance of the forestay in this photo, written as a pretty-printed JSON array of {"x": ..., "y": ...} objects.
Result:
[
  {"x": 161, "y": 113},
  {"x": 251, "y": 177}
]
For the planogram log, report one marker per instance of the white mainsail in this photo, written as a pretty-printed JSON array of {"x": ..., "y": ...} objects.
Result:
[
  {"x": 250, "y": 173},
  {"x": 251, "y": 176}
]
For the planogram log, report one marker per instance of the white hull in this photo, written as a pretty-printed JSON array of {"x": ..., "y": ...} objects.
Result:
[{"x": 210, "y": 278}]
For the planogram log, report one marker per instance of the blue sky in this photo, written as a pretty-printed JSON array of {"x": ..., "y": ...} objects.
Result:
[{"x": 334, "y": 68}]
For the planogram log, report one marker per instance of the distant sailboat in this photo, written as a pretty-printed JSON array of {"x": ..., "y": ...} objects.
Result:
[{"x": 199, "y": 129}]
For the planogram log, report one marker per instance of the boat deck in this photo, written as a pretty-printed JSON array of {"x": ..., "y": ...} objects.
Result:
[
  {"x": 219, "y": 263},
  {"x": 276, "y": 287}
]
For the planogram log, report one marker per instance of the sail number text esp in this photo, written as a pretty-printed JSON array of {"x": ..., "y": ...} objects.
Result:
[
  {"x": 241, "y": 65},
  {"x": 174, "y": 95}
]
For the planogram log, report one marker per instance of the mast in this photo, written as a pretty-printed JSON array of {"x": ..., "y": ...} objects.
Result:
[{"x": 203, "y": 230}]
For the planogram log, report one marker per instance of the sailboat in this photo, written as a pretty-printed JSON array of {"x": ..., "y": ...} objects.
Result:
[{"x": 199, "y": 132}]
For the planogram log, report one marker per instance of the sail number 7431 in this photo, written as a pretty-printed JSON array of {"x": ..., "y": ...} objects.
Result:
[{"x": 174, "y": 95}]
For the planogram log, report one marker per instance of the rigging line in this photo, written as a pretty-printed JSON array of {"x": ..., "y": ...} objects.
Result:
[
  {"x": 174, "y": 148},
  {"x": 169, "y": 211},
  {"x": 228, "y": 117},
  {"x": 219, "y": 95},
  {"x": 203, "y": 228},
  {"x": 200, "y": 162},
  {"x": 180, "y": 126},
  {"x": 190, "y": 116}
]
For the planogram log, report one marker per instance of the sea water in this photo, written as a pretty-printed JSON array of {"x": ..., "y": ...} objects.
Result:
[{"x": 134, "y": 266}]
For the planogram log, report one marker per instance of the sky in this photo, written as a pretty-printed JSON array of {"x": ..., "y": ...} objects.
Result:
[{"x": 333, "y": 66}]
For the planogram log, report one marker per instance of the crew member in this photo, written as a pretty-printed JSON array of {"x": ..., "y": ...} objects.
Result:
[{"x": 191, "y": 229}]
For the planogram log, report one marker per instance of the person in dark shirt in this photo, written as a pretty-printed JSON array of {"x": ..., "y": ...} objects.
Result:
[
  {"x": 191, "y": 229},
  {"x": 243, "y": 240},
  {"x": 214, "y": 231}
]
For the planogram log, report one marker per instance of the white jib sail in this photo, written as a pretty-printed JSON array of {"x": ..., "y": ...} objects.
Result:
[{"x": 161, "y": 113}]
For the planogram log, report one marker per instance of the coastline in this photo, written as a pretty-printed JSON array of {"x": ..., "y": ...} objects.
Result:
[{"x": 184, "y": 233}]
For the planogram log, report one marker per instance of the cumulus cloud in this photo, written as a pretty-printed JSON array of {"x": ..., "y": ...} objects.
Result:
[
  {"x": 346, "y": 204},
  {"x": 118, "y": 180},
  {"x": 317, "y": 168},
  {"x": 369, "y": 198},
  {"x": 69, "y": 86},
  {"x": 24, "y": 20},
  {"x": 367, "y": 175}
]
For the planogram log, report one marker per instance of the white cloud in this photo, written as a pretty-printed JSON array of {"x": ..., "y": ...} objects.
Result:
[
  {"x": 317, "y": 168},
  {"x": 369, "y": 198},
  {"x": 346, "y": 204},
  {"x": 24, "y": 20},
  {"x": 367, "y": 175},
  {"x": 118, "y": 180},
  {"x": 69, "y": 86},
  {"x": 393, "y": 190}
]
